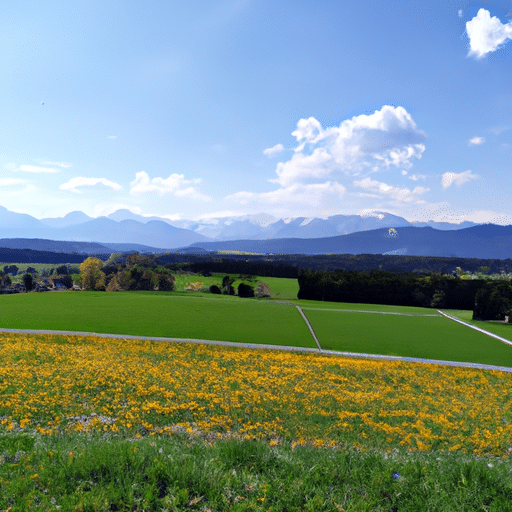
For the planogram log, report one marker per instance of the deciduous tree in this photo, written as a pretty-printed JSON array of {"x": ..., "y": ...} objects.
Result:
[{"x": 93, "y": 278}]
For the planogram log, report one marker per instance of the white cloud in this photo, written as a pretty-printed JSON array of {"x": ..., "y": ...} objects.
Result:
[
  {"x": 450, "y": 177},
  {"x": 460, "y": 13},
  {"x": 8, "y": 182},
  {"x": 112, "y": 137},
  {"x": 325, "y": 162},
  {"x": 63, "y": 165},
  {"x": 402, "y": 194},
  {"x": 172, "y": 185},
  {"x": 486, "y": 34},
  {"x": 74, "y": 183},
  {"x": 37, "y": 169},
  {"x": 416, "y": 177},
  {"x": 388, "y": 137},
  {"x": 313, "y": 194},
  {"x": 274, "y": 150},
  {"x": 476, "y": 141}
]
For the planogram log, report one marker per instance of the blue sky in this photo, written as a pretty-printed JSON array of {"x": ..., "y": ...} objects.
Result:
[{"x": 203, "y": 109}]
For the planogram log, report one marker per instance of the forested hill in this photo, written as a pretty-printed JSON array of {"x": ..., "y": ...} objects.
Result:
[
  {"x": 8, "y": 255},
  {"x": 484, "y": 241}
]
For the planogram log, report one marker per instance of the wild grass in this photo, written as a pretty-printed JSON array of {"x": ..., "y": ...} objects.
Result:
[
  {"x": 95, "y": 424},
  {"x": 76, "y": 473}
]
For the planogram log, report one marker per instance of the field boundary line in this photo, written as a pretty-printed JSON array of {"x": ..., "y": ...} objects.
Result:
[
  {"x": 492, "y": 335},
  {"x": 375, "y": 312},
  {"x": 355, "y": 355},
  {"x": 310, "y": 327}
]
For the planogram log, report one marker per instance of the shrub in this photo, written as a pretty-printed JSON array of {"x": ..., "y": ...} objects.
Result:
[
  {"x": 165, "y": 282},
  {"x": 262, "y": 290},
  {"x": 245, "y": 290},
  {"x": 227, "y": 288},
  {"x": 28, "y": 281},
  {"x": 215, "y": 289},
  {"x": 5, "y": 280},
  {"x": 195, "y": 287}
]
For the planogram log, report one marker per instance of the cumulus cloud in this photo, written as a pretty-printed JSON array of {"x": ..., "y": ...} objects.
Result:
[
  {"x": 486, "y": 34},
  {"x": 449, "y": 178},
  {"x": 274, "y": 150},
  {"x": 326, "y": 160},
  {"x": 402, "y": 194},
  {"x": 476, "y": 141},
  {"x": 75, "y": 183},
  {"x": 388, "y": 137},
  {"x": 313, "y": 194},
  {"x": 175, "y": 184}
]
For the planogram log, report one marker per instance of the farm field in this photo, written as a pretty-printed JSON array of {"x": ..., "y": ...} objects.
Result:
[
  {"x": 408, "y": 334},
  {"x": 503, "y": 330},
  {"x": 163, "y": 314},
  {"x": 361, "y": 328},
  {"x": 113, "y": 424}
]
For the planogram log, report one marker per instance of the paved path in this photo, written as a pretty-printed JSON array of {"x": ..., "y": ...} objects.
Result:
[{"x": 266, "y": 347}]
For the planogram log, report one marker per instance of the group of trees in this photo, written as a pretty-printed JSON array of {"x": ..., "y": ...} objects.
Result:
[
  {"x": 125, "y": 272},
  {"x": 143, "y": 272}
]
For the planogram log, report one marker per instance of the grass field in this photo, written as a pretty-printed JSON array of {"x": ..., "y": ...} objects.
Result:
[
  {"x": 362, "y": 328},
  {"x": 284, "y": 289},
  {"x": 501, "y": 329},
  {"x": 97, "y": 424},
  {"x": 163, "y": 314},
  {"x": 417, "y": 335}
]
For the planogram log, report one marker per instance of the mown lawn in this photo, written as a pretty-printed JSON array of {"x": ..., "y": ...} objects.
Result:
[
  {"x": 503, "y": 330},
  {"x": 165, "y": 314},
  {"x": 412, "y": 335}
]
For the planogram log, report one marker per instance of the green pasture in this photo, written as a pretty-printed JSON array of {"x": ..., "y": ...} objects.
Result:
[
  {"x": 501, "y": 329},
  {"x": 280, "y": 288},
  {"x": 350, "y": 306},
  {"x": 163, "y": 314},
  {"x": 408, "y": 335}
]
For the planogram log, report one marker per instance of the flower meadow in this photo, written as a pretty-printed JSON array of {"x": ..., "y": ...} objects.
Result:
[{"x": 54, "y": 384}]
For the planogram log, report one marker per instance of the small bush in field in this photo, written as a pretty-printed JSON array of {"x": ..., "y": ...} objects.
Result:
[
  {"x": 262, "y": 290},
  {"x": 215, "y": 289},
  {"x": 28, "y": 281},
  {"x": 165, "y": 282},
  {"x": 245, "y": 290}
]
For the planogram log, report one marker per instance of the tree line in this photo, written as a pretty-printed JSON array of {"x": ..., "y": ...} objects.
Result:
[{"x": 489, "y": 299}]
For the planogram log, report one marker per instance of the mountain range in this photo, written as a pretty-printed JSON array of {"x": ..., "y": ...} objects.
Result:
[
  {"x": 129, "y": 229},
  {"x": 378, "y": 233},
  {"x": 485, "y": 241}
]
